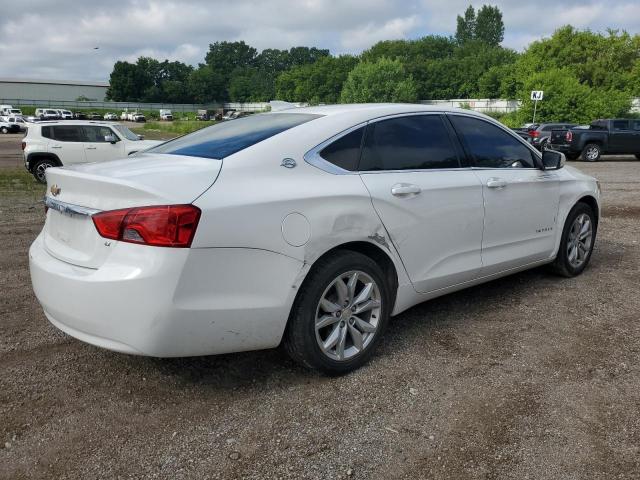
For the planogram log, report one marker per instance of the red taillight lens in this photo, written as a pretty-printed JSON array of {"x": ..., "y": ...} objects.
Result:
[
  {"x": 160, "y": 226},
  {"x": 568, "y": 136},
  {"x": 534, "y": 133}
]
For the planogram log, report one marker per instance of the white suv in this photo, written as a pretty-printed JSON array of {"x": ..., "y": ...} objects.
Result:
[{"x": 56, "y": 144}]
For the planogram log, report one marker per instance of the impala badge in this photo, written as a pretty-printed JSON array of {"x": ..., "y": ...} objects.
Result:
[{"x": 55, "y": 190}]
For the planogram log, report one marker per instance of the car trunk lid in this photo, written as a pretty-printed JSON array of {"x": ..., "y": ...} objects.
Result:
[{"x": 75, "y": 193}]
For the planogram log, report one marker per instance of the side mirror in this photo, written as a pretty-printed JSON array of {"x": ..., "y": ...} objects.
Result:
[
  {"x": 552, "y": 160},
  {"x": 110, "y": 138},
  {"x": 140, "y": 137}
]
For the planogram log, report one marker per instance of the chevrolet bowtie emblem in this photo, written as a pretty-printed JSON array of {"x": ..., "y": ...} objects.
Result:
[{"x": 55, "y": 190}]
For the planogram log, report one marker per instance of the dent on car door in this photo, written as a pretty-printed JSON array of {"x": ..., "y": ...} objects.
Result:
[
  {"x": 520, "y": 200},
  {"x": 431, "y": 207}
]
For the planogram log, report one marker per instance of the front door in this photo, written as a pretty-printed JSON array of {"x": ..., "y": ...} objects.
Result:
[
  {"x": 97, "y": 148},
  {"x": 621, "y": 137},
  {"x": 431, "y": 207},
  {"x": 520, "y": 200}
]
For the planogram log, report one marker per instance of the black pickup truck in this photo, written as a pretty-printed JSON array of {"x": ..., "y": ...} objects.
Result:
[{"x": 602, "y": 137}]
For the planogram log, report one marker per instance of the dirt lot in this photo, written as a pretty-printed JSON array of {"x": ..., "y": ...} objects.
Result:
[{"x": 528, "y": 377}]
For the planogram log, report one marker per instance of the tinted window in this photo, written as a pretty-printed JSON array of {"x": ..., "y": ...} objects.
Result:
[
  {"x": 621, "y": 125},
  {"x": 636, "y": 124},
  {"x": 46, "y": 132},
  {"x": 68, "y": 133},
  {"x": 97, "y": 134},
  {"x": 414, "y": 142},
  {"x": 490, "y": 146},
  {"x": 227, "y": 138},
  {"x": 345, "y": 152}
]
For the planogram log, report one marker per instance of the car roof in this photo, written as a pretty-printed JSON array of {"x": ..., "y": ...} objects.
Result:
[{"x": 76, "y": 122}]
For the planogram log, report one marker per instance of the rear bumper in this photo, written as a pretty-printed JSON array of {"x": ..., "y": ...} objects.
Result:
[{"x": 170, "y": 302}]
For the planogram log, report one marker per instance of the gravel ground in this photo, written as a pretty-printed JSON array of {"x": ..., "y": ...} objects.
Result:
[{"x": 527, "y": 377}]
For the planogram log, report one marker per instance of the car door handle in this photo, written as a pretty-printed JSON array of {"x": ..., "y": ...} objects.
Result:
[
  {"x": 405, "y": 189},
  {"x": 91, "y": 148},
  {"x": 56, "y": 146},
  {"x": 496, "y": 183}
]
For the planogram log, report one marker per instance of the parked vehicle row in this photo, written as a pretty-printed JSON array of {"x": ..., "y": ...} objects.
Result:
[
  {"x": 133, "y": 116},
  {"x": 56, "y": 144},
  {"x": 618, "y": 136},
  {"x": 370, "y": 210}
]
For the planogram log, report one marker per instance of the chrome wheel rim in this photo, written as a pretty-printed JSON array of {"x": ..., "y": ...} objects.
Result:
[
  {"x": 348, "y": 315},
  {"x": 592, "y": 153},
  {"x": 579, "y": 240},
  {"x": 40, "y": 171}
]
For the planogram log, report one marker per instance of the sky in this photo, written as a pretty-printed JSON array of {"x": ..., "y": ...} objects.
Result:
[{"x": 55, "y": 39}]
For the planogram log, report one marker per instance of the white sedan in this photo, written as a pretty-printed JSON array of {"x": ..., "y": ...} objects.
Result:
[{"x": 308, "y": 227}]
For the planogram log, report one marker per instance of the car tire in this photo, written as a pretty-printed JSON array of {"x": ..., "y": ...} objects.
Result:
[
  {"x": 324, "y": 332},
  {"x": 591, "y": 152},
  {"x": 39, "y": 168},
  {"x": 638, "y": 156},
  {"x": 544, "y": 145},
  {"x": 4, "y": 130},
  {"x": 576, "y": 244}
]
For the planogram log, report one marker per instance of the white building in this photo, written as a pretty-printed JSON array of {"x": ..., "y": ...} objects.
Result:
[{"x": 68, "y": 90}]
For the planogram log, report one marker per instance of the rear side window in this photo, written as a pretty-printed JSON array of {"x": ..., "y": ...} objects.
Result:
[
  {"x": 345, "y": 152},
  {"x": 47, "y": 132},
  {"x": 414, "y": 142},
  {"x": 490, "y": 146},
  {"x": 231, "y": 136},
  {"x": 620, "y": 125},
  {"x": 68, "y": 133}
]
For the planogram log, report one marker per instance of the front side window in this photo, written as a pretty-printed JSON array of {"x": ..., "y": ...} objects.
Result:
[
  {"x": 490, "y": 146},
  {"x": 97, "y": 133},
  {"x": 226, "y": 138},
  {"x": 68, "y": 133},
  {"x": 126, "y": 133},
  {"x": 414, "y": 142},
  {"x": 345, "y": 152},
  {"x": 636, "y": 125}
]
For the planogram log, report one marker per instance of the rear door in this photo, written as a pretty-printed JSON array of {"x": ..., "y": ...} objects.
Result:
[
  {"x": 430, "y": 204},
  {"x": 67, "y": 143},
  {"x": 97, "y": 149},
  {"x": 520, "y": 200}
]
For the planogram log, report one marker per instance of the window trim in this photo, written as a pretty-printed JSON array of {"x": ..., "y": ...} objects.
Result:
[
  {"x": 312, "y": 157},
  {"x": 470, "y": 157}
]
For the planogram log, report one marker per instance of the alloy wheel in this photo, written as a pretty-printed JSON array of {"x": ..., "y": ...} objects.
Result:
[
  {"x": 40, "y": 171},
  {"x": 579, "y": 240},
  {"x": 592, "y": 153},
  {"x": 348, "y": 315}
]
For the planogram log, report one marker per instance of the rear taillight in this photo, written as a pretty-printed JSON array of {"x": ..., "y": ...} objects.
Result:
[
  {"x": 159, "y": 226},
  {"x": 534, "y": 133},
  {"x": 568, "y": 136},
  {"x": 24, "y": 145}
]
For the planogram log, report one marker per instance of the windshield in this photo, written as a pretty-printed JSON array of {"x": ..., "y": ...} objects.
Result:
[
  {"x": 224, "y": 139},
  {"x": 126, "y": 133}
]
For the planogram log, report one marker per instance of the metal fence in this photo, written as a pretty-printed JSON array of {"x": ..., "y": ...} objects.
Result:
[
  {"x": 478, "y": 104},
  {"x": 119, "y": 106}
]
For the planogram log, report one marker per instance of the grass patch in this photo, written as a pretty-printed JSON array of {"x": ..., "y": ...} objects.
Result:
[
  {"x": 175, "y": 128},
  {"x": 17, "y": 181}
]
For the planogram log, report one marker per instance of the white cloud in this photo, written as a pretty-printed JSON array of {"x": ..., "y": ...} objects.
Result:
[{"x": 41, "y": 38}]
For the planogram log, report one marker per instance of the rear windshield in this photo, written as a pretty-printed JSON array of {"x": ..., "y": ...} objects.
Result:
[{"x": 226, "y": 138}]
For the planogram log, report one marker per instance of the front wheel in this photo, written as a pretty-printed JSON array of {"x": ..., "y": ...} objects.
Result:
[
  {"x": 4, "y": 130},
  {"x": 591, "y": 152},
  {"x": 339, "y": 315},
  {"x": 638, "y": 156},
  {"x": 578, "y": 239}
]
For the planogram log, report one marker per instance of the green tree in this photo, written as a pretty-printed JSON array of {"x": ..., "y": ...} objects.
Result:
[
  {"x": 383, "y": 81},
  {"x": 225, "y": 57},
  {"x": 205, "y": 86},
  {"x": 489, "y": 27},
  {"x": 319, "y": 82},
  {"x": 466, "y": 26}
]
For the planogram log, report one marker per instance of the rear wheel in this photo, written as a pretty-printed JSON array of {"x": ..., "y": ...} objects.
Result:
[
  {"x": 40, "y": 167},
  {"x": 591, "y": 152},
  {"x": 576, "y": 245},
  {"x": 638, "y": 156},
  {"x": 339, "y": 315},
  {"x": 4, "y": 130}
]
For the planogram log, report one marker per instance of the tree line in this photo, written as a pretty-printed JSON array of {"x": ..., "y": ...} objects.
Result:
[{"x": 584, "y": 74}]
